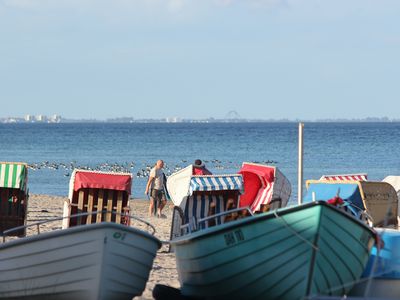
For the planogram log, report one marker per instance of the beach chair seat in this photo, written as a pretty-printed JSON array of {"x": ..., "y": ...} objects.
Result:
[
  {"x": 13, "y": 196},
  {"x": 101, "y": 201},
  {"x": 273, "y": 204},
  {"x": 105, "y": 195},
  {"x": 199, "y": 207}
]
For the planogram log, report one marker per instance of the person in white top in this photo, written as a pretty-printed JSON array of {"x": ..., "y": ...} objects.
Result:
[{"x": 155, "y": 185}]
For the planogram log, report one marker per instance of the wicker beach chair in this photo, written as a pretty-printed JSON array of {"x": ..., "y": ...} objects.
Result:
[
  {"x": 105, "y": 193},
  {"x": 13, "y": 196},
  {"x": 198, "y": 198}
]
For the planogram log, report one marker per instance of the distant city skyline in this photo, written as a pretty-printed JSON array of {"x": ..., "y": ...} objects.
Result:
[
  {"x": 230, "y": 118},
  {"x": 265, "y": 59}
]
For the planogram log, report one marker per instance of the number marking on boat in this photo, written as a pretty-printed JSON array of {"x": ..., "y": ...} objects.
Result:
[
  {"x": 234, "y": 237},
  {"x": 119, "y": 236}
]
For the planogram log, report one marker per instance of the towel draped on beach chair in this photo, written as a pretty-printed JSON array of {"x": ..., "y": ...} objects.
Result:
[{"x": 262, "y": 185}]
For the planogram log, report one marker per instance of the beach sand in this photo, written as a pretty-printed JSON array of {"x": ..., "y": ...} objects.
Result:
[{"x": 44, "y": 207}]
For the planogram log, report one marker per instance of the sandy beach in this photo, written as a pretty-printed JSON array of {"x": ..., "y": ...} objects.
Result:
[{"x": 44, "y": 207}]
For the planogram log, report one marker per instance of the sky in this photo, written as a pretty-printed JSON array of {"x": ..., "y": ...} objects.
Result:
[{"x": 268, "y": 59}]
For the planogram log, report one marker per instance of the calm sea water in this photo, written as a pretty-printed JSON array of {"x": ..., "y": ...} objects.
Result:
[{"x": 54, "y": 150}]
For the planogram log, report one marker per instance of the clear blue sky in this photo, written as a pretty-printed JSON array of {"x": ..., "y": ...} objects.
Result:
[{"x": 304, "y": 59}]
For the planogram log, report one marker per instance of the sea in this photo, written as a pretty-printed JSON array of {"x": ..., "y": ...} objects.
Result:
[{"x": 54, "y": 150}]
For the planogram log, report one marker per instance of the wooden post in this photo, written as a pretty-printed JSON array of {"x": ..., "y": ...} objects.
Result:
[
  {"x": 100, "y": 206},
  {"x": 119, "y": 207},
  {"x": 81, "y": 197},
  {"x": 300, "y": 170},
  {"x": 90, "y": 206},
  {"x": 110, "y": 197}
]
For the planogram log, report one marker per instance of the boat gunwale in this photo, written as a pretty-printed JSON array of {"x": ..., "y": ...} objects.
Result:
[
  {"x": 205, "y": 233},
  {"x": 76, "y": 229}
]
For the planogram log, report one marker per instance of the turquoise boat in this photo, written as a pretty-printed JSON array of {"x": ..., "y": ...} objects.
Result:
[
  {"x": 291, "y": 253},
  {"x": 381, "y": 277}
]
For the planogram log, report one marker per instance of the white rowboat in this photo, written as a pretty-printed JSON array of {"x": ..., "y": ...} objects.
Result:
[{"x": 95, "y": 261}]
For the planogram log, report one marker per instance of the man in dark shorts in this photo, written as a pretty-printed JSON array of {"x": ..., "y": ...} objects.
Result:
[{"x": 155, "y": 185}]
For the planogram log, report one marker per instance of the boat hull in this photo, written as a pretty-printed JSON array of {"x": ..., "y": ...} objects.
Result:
[
  {"x": 312, "y": 249},
  {"x": 97, "y": 261},
  {"x": 381, "y": 278}
]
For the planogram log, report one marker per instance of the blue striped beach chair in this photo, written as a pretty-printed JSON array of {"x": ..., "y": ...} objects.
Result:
[
  {"x": 201, "y": 192},
  {"x": 198, "y": 207}
]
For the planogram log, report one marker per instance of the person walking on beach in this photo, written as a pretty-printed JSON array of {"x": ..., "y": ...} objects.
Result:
[
  {"x": 199, "y": 168},
  {"x": 155, "y": 185}
]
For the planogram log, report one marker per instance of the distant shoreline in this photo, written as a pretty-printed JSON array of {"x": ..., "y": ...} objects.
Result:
[{"x": 206, "y": 121}]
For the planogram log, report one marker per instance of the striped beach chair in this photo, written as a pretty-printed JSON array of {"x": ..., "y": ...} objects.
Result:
[
  {"x": 198, "y": 207},
  {"x": 345, "y": 177},
  {"x": 13, "y": 196},
  {"x": 99, "y": 192},
  {"x": 264, "y": 185},
  {"x": 199, "y": 197},
  {"x": 211, "y": 189}
]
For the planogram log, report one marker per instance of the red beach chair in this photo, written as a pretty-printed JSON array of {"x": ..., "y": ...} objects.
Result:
[
  {"x": 100, "y": 192},
  {"x": 264, "y": 185}
]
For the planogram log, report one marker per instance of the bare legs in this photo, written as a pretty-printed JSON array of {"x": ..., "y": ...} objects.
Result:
[
  {"x": 160, "y": 207},
  {"x": 151, "y": 206}
]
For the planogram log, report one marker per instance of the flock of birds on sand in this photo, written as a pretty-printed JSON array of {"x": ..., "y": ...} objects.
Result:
[{"x": 141, "y": 171}]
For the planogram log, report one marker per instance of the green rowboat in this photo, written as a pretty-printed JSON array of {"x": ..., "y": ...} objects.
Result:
[{"x": 290, "y": 253}]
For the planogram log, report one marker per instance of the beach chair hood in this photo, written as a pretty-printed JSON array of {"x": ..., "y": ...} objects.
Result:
[
  {"x": 395, "y": 182},
  {"x": 14, "y": 175},
  {"x": 100, "y": 180},
  {"x": 381, "y": 202},
  {"x": 344, "y": 177},
  {"x": 263, "y": 183},
  {"x": 178, "y": 185}
]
